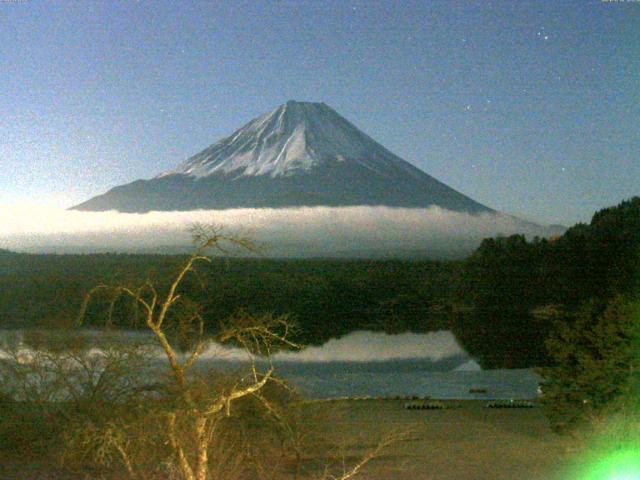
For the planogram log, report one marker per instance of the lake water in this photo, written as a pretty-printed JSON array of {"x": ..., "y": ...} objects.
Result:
[
  {"x": 374, "y": 364},
  {"x": 371, "y": 381}
]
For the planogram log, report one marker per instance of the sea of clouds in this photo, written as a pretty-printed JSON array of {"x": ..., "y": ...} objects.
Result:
[{"x": 367, "y": 231}]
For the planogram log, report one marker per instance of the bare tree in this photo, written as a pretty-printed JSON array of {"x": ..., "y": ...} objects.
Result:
[{"x": 203, "y": 406}]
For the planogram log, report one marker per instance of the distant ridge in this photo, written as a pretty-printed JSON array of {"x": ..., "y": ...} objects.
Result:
[{"x": 300, "y": 154}]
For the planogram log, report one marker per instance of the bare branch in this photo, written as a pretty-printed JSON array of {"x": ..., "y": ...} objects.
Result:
[
  {"x": 224, "y": 401},
  {"x": 373, "y": 453}
]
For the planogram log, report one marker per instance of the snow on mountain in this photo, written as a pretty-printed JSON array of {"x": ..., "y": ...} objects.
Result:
[
  {"x": 300, "y": 154},
  {"x": 295, "y": 137}
]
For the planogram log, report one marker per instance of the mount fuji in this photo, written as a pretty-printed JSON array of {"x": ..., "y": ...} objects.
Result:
[{"x": 300, "y": 154}]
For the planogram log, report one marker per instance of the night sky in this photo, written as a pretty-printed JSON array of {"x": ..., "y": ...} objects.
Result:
[{"x": 532, "y": 108}]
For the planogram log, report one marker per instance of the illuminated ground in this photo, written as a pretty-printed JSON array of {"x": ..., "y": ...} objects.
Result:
[{"x": 466, "y": 443}]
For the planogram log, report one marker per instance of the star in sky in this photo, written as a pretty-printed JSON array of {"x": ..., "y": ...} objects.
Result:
[{"x": 542, "y": 34}]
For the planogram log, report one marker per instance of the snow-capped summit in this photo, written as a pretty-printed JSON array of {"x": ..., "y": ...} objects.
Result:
[
  {"x": 301, "y": 153},
  {"x": 295, "y": 137}
]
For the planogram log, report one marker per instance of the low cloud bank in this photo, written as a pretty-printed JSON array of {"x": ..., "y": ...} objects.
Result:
[{"x": 290, "y": 232}]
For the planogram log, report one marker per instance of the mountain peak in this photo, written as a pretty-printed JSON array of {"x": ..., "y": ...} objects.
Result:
[
  {"x": 300, "y": 153},
  {"x": 300, "y": 110},
  {"x": 295, "y": 137},
  {"x": 299, "y": 103},
  {"x": 296, "y": 104}
]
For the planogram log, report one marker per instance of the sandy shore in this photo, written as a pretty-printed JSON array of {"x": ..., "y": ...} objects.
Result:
[{"x": 469, "y": 442}]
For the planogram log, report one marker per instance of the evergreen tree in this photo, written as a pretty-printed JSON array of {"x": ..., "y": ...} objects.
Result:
[{"x": 597, "y": 361}]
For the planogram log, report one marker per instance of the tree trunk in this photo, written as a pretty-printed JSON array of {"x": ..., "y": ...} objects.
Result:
[
  {"x": 202, "y": 445},
  {"x": 185, "y": 468}
]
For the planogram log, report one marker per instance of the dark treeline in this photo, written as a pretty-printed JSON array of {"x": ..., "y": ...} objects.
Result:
[
  {"x": 501, "y": 302},
  {"x": 515, "y": 290},
  {"x": 326, "y": 298}
]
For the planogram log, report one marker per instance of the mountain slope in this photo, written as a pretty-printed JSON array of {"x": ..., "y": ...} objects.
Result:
[{"x": 300, "y": 154}]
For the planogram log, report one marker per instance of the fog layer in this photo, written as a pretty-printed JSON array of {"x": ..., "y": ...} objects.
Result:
[{"x": 290, "y": 232}]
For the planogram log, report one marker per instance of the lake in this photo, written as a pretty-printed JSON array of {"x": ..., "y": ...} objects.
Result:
[{"x": 374, "y": 364}]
